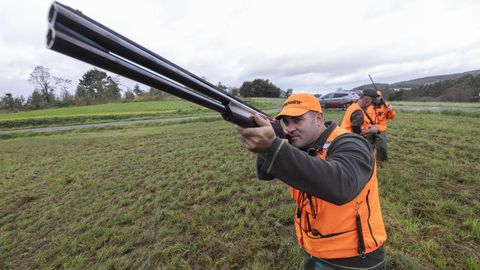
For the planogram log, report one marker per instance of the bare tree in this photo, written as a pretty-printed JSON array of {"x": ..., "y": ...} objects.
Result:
[{"x": 45, "y": 83}]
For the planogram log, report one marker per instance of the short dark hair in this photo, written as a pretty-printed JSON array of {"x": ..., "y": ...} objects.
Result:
[{"x": 369, "y": 92}]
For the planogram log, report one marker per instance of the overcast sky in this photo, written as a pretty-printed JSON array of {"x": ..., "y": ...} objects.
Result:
[{"x": 309, "y": 46}]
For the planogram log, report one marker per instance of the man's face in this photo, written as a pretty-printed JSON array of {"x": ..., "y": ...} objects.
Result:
[
  {"x": 303, "y": 130},
  {"x": 377, "y": 101},
  {"x": 366, "y": 101}
]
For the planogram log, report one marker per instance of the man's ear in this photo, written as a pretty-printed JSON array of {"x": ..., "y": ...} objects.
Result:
[{"x": 319, "y": 118}]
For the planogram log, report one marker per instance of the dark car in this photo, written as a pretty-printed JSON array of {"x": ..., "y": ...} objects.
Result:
[{"x": 338, "y": 100}]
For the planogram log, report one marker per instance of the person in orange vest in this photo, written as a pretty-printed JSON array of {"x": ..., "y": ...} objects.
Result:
[
  {"x": 356, "y": 118},
  {"x": 333, "y": 181},
  {"x": 381, "y": 111}
]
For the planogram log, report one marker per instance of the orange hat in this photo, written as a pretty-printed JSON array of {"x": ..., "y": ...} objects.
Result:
[{"x": 298, "y": 104}]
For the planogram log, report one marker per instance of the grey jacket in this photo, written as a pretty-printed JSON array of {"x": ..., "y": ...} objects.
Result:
[{"x": 337, "y": 179}]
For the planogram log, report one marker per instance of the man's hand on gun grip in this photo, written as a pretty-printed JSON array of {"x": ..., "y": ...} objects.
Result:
[
  {"x": 258, "y": 139},
  {"x": 373, "y": 129}
]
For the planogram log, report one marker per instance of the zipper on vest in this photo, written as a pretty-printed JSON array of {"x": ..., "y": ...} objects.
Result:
[
  {"x": 318, "y": 235},
  {"x": 299, "y": 205},
  {"x": 312, "y": 209},
  {"x": 368, "y": 220},
  {"x": 298, "y": 214},
  {"x": 361, "y": 241},
  {"x": 307, "y": 217}
]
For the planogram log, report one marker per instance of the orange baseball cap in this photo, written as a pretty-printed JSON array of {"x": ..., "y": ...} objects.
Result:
[{"x": 298, "y": 104}]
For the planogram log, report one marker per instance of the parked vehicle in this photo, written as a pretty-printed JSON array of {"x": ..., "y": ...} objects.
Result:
[{"x": 338, "y": 100}]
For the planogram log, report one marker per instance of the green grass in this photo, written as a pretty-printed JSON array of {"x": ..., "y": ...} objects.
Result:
[
  {"x": 114, "y": 112},
  {"x": 437, "y": 104},
  {"x": 432, "y": 188},
  {"x": 104, "y": 109},
  {"x": 99, "y": 113},
  {"x": 265, "y": 103},
  {"x": 185, "y": 196}
]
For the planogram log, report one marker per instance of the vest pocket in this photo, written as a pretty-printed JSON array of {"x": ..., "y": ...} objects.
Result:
[{"x": 338, "y": 246}]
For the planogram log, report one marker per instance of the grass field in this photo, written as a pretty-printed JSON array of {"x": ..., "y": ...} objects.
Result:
[
  {"x": 185, "y": 196},
  {"x": 114, "y": 112},
  {"x": 437, "y": 104}
]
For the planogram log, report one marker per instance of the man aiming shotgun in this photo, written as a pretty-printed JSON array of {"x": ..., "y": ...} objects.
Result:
[
  {"x": 333, "y": 181},
  {"x": 330, "y": 171}
]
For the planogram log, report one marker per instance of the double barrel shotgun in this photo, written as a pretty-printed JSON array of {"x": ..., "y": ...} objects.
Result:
[{"x": 78, "y": 36}]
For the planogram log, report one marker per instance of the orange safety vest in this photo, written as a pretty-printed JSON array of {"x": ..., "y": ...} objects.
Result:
[
  {"x": 381, "y": 116},
  {"x": 328, "y": 231},
  {"x": 347, "y": 122}
]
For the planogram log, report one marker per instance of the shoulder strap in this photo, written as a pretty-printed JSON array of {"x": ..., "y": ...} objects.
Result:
[
  {"x": 312, "y": 151},
  {"x": 368, "y": 116},
  {"x": 346, "y": 136}
]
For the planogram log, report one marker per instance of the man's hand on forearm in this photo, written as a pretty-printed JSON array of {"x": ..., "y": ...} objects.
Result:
[{"x": 258, "y": 139}]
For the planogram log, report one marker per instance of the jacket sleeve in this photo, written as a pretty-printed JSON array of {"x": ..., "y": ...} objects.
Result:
[
  {"x": 357, "y": 121},
  {"x": 337, "y": 179}
]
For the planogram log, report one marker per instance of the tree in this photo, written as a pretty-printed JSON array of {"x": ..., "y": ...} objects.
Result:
[
  {"x": 234, "y": 91},
  {"x": 158, "y": 94},
  {"x": 137, "y": 91},
  {"x": 287, "y": 93},
  {"x": 45, "y": 85},
  {"x": 98, "y": 86},
  {"x": 259, "y": 88},
  {"x": 222, "y": 87},
  {"x": 129, "y": 95},
  {"x": 43, "y": 82},
  {"x": 464, "y": 88},
  {"x": 36, "y": 100},
  {"x": 112, "y": 89},
  {"x": 62, "y": 84},
  {"x": 11, "y": 103},
  {"x": 154, "y": 91},
  {"x": 66, "y": 99}
]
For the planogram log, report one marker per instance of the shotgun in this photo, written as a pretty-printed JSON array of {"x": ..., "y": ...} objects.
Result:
[{"x": 78, "y": 36}]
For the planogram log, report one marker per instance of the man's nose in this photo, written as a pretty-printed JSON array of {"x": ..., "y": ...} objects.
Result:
[{"x": 289, "y": 129}]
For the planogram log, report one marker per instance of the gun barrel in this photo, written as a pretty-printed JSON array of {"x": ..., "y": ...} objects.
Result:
[
  {"x": 68, "y": 42},
  {"x": 374, "y": 85},
  {"x": 112, "y": 43}
]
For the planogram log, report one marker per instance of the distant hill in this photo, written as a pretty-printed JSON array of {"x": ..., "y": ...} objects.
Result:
[
  {"x": 461, "y": 87},
  {"x": 420, "y": 81},
  {"x": 432, "y": 79}
]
